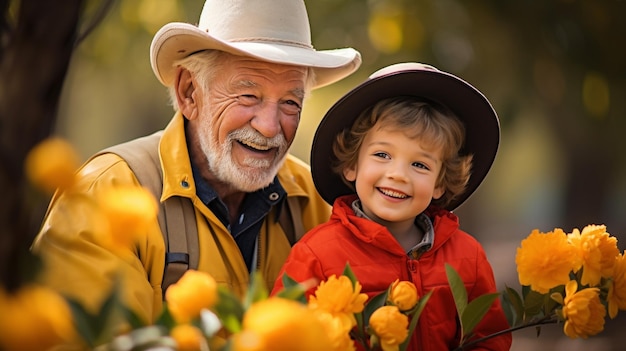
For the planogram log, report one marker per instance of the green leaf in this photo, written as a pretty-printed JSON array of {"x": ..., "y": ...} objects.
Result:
[
  {"x": 533, "y": 304},
  {"x": 292, "y": 290},
  {"x": 373, "y": 304},
  {"x": 165, "y": 318},
  {"x": 229, "y": 309},
  {"x": 415, "y": 315},
  {"x": 509, "y": 313},
  {"x": 98, "y": 328},
  {"x": 512, "y": 299},
  {"x": 347, "y": 271},
  {"x": 475, "y": 312},
  {"x": 459, "y": 293},
  {"x": 288, "y": 282},
  {"x": 83, "y": 322},
  {"x": 257, "y": 291}
]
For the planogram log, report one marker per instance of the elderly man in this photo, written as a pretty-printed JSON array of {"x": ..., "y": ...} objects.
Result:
[{"x": 238, "y": 81}]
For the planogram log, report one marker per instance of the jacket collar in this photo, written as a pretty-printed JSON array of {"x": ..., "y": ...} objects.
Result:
[
  {"x": 444, "y": 224},
  {"x": 177, "y": 173}
]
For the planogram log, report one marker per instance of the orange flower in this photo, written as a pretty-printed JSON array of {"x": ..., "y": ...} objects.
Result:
[
  {"x": 193, "y": 292},
  {"x": 187, "y": 337},
  {"x": 130, "y": 210},
  {"x": 583, "y": 311},
  {"x": 545, "y": 260},
  {"x": 338, "y": 297},
  {"x": 338, "y": 332},
  {"x": 617, "y": 289},
  {"x": 247, "y": 340},
  {"x": 598, "y": 251},
  {"x": 390, "y": 325},
  {"x": 33, "y": 319},
  {"x": 278, "y": 324},
  {"x": 403, "y": 294},
  {"x": 52, "y": 164}
]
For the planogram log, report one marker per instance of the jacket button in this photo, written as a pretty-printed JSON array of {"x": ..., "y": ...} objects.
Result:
[{"x": 274, "y": 196}]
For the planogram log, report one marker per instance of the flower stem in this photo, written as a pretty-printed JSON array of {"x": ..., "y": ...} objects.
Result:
[{"x": 545, "y": 320}]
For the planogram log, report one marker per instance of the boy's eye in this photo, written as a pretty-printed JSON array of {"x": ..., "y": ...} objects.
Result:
[
  {"x": 381, "y": 154},
  {"x": 419, "y": 165}
]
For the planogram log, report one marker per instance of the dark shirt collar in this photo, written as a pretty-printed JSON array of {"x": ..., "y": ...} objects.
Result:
[{"x": 256, "y": 204}]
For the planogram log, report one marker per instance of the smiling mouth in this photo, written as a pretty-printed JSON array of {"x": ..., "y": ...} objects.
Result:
[
  {"x": 392, "y": 193},
  {"x": 254, "y": 147}
]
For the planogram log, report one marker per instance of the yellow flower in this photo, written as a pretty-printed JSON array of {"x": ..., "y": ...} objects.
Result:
[
  {"x": 403, "y": 294},
  {"x": 187, "y": 337},
  {"x": 583, "y": 311},
  {"x": 337, "y": 331},
  {"x": 52, "y": 164},
  {"x": 545, "y": 260},
  {"x": 617, "y": 289},
  {"x": 130, "y": 210},
  {"x": 247, "y": 340},
  {"x": 193, "y": 292},
  {"x": 598, "y": 251},
  {"x": 33, "y": 319},
  {"x": 340, "y": 298},
  {"x": 282, "y": 325},
  {"x": 390, "y": 325}
]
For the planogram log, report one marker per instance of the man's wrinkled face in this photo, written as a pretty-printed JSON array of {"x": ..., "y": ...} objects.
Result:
[{"x": 248, "y": 120}]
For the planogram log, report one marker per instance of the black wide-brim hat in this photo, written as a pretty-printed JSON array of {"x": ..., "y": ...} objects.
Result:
[{"x": 482, "y": 127}]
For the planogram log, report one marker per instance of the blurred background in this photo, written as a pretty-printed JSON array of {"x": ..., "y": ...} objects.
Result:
[{"x": 554, "y": 70}]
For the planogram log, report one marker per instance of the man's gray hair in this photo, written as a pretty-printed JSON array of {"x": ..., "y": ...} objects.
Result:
[{"x": 204, "y": 65}]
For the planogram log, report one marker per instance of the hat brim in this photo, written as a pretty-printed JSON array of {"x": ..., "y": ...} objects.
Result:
[
  {"x": 176, "y": 40},
  {"x": 481, "y": 123}
]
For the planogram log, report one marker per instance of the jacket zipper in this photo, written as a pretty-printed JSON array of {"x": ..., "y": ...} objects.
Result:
[
  {"x": 411, "y": 266},
  {"x": 259, "y": 251}
]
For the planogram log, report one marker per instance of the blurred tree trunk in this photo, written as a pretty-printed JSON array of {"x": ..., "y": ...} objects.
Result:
[{"x": 35, "y": 51}]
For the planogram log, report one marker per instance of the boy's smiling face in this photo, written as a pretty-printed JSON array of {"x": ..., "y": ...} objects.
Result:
[{"x": 395, "y": 175}]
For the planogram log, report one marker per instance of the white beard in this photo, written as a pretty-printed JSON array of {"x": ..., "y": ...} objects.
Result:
[{"x": 253, "y": 174}]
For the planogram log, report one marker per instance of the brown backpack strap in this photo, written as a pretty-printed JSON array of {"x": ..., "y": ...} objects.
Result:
[
  {"x": 292, "y": 225},
  {"x": 181, "y": 239},
  {"x": 176, "y": 214}
]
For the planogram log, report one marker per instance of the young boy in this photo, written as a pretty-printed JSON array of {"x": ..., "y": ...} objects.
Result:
[{"x": 406, "y": 147}]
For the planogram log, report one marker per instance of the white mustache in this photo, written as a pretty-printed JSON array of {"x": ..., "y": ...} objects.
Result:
[{"x": 249, "y": 136}]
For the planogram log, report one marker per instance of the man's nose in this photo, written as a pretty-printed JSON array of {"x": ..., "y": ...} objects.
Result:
[{"x": 267, "y": 119}]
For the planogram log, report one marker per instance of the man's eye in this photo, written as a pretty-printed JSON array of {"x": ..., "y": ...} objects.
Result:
[
  {"x": 293, "y": 103},
  {"x": 291, "y": 107},
  {"x": 247, "y": 99}
]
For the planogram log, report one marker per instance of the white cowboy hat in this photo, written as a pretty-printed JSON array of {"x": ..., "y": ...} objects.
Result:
[{"x": 269, "y": 30}]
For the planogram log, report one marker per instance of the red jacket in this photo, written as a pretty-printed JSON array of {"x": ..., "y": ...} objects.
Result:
[{"x": 377, "y": 259}]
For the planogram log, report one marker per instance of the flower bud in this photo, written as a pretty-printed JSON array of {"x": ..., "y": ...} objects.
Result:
[
  {"x": 391, "y": 327},
  {"x": 187, "y": 337},
  {"x": 193, "y": 292},
  {"x": 403, "y": 294},
  {"x": 52, "y": 164}
]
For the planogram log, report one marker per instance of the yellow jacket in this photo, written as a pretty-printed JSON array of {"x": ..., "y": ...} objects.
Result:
[{"x": 78, "y": 267}]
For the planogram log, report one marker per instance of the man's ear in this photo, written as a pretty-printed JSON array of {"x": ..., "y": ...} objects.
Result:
[{"x": 185, "y": 87}]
